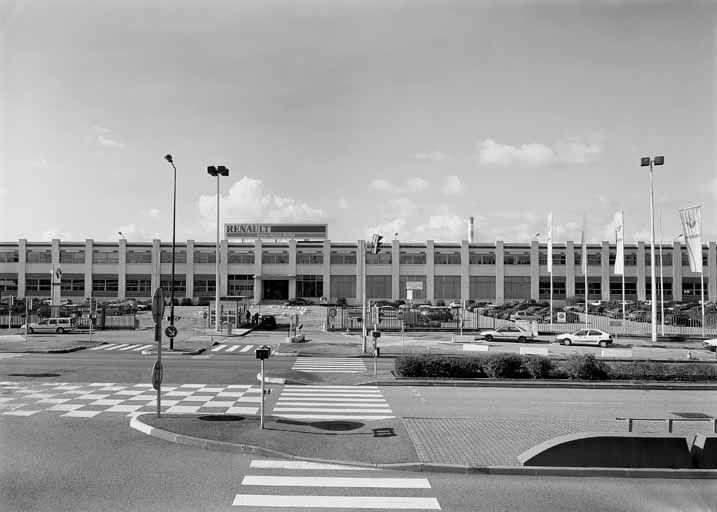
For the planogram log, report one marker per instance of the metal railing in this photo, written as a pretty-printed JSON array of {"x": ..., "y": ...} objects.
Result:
[{"x": 668, "y": 421}]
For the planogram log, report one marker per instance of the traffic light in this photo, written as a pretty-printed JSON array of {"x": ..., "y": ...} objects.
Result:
[{"x": 376, "y": 244}]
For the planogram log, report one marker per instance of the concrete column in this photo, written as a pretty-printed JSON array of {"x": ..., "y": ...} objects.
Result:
[
  {"x": 360, "y": 255},
  {"x": 190, "y": 270},
  {"x": 257, "y": 270},
  {"x": 605, "y": 264},
  {"x": 569, "y": 269},
  {"x": 326, "y": 269},
  {"x": 122, "y": 269},
  {"x": 89, "y": 247},
  {"x": 223, "y": 267},
  {"x": 641, "y": 271},
  {"x": 395, "y": 270},
  {"x": 499, "y": 273},
  {"x": 292, "y": 268},
  {"x": 534, "y": 270},
  {"x": 21, "y": 267},
  {"x": 465, "y": 271},
  {"x": 677, "y": 271},
  {"x": 711, "y": 273},
  {"x": 430, "y": 271},
  {"x": 156, "y": 267},
  {"x": 55, "y": 263}
]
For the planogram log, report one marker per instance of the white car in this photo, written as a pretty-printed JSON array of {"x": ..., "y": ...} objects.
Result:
[
  {"x": 585, "y": 337},
  {"x": 56, "y": 325},
  {"x": 710, "y": 345},
  {"x": 455, "y": 304},
  {"x": 510, "y": 332}
]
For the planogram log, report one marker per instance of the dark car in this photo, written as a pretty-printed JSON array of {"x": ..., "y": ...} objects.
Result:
[
  {"x": 298, "y": 301},
  {"x": 267, "y": 322}
]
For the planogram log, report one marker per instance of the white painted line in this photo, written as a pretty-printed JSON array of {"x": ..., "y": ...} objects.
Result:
[
  {"x": 538, "y": 351},
  {"x": 333, "y": 417},
  {"x": 197, "y": 398},
  {"x": 188, "y": 385},
  {"x": 130, "y": 392},
  {"x": 54, "y": 400},
  {"x": 230, "y": 394},
  {"x": 324, "y": 404},
  {"x": 111, "y": 388},
  {"x": 297, "y": 395},
  {"x": 41, "y": 395},
  {"x": 142, "y": 347},
  {"x": 354, "y": 391},
  {"x": 20, "y": 413},
  {"x": 326, "y": 371},
  {"x": 116, "y": 347},
  {"x": 246, "y": 348},
  {"x": 130, "y": 347},
  {"x": 354, "y": 502},
  {"x": 102, "y": 347},
  {"x": 143, "y": 385},
  {"x": 365, "y": 388},
  {"x": 91, "y": 397},
  {"x": 237, "y": 386},
  {"x": 124, "y": 408},
  {"x": 178, "y": 393},
  {"x": 356, "y": 400},
  {"x": 242, "y": 410},
  {"x": 80, "y": 414},
  {"x": 232, "y": 349},
  {"x": 475, "y": 348},
  {"x": 219, "y": 347},
  {"x": 301, "y": 464},
  {"x": 335, "y": 481},
  {"x": 385, "y": 410}
]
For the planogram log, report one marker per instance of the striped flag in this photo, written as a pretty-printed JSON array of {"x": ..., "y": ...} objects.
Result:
[
  {"x": 692, "y": 229},
  {"x": 550, "y": 242},
  {"x": 620, "y": 244}
]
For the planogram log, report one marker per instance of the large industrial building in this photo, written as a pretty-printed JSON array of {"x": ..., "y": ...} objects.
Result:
[{"x": 274, "y": 269}]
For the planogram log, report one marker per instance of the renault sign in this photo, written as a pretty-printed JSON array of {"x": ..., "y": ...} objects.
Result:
[{"x": 276, "y": 231}]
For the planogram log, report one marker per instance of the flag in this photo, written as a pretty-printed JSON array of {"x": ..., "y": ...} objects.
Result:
[
  {"x": 550, "y": 242},
  {"x": 692, "y": 229},
  {"x": 584, "y": 248},
  {"x": 620, "y": 244}
]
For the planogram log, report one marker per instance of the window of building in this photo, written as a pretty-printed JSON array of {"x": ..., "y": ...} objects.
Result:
[
  {"x": 343, "y": 258},
  {"x": 686, "y": 258},
  {"x": 8, "y": 283},
  {"x": 275, "y": 258},
  {"x": 241, "y": 284},
  {"x": 558, "y": 288},
  {"x": 447, "y": 258},
  {"x": 482, "y": 287},
  {"x": 104, "y": 286},
  {"x": 559, "y": 258},
  {"x": 72, "y": 285},
  {"x": 594, "y": 258},
  {"x": 404, "y": 281},
  {"x": 180, "y": 256},
  {"x": 343, "y": 287},
  {"x": 37, "y": 284},
  {"x": 72, "y": 256},
  {"x": 522, "y": 258},
  {"x": 138, "y": 285},
  {"x": 631, "y": 259},
  {"x": 204, "y": 286},
  {"x": 477, "y": 258},
  {"x": 309, "y": 285},
  {"x": 139, "y": 256},
  {"x": 412, "y": 258},
  {"x": 9, "y": 256},
  {"x": 594, "y": 289},
  {"x": 447, "y": 287},
  {"x": 204, "y": 257},
  {"x": 691, "y": 289},
  {"x": 616, "y": 288},
  {"x": 516, "y": 287},
  {"x": 39, "y": 256},
  {"x": 382, "y": 258},
  {"x": 241, "y": 257},
  {"x": 309, "y": 258},
  {"x": 105, "y": 257},
  {"x": 378, "y": 287},
  {"x": 180, "y": 284},
  {"x": 666, "y": 257}
]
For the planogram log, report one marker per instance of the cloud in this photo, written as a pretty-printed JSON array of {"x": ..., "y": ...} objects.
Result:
[
  {"x": 134, "y": 234},
  {"x": 402, "y": 207},
  {"x": 443, "y": 228},
  {"x": 343, "y": 203},
  {"x": 452, "y": 186},
  {"x": 384, "y": 185},
  {"x": 152, "y": 212},
  {"x": 566, "y": 151},
  {"x": 104, "y": 137},
  {"x": 53, "y": 233},
  {"x": 109, "y": 143},
  {"x": 417, "y": 184},
  {"x": 248, "y": 201},
  {"x": 387, "y": 229},
  {"x": 431, "y": 156}
]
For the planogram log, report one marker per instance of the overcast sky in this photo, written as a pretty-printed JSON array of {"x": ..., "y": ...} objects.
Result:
[{"x": 387, "y": 116}]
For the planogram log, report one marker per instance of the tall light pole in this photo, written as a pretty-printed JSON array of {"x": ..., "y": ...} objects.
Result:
[
  {"x": 644, "y": 162},
  {"x": 169, "y": 159},
  {"x": 217, "y": 171}
]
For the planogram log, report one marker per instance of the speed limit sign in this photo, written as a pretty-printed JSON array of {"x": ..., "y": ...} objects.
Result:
[{"x": 170, "y": 331}]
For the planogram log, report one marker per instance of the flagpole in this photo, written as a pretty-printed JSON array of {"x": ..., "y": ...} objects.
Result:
[
  {"x": 653, "y": 284},
  {"x": 702, "y": 291},
  {"x": 662, "y": 284},
  {"x": 585, "y": 271}
]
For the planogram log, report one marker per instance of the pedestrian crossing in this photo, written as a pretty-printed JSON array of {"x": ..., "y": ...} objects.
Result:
[
  {"x": 224, "y": 348},
  {"x": 9, "y": 356},
  {"x": 332, "y": 403},
  {"x": 274, "y": 484},
  {"x": 122, "y": 347},
  {"x": 329, "y": 365}
]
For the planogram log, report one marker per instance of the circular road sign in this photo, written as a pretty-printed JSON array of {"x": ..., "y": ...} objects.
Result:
[
  {"x": 170, "y": 331},
  {"x": 332, "y": 312}
]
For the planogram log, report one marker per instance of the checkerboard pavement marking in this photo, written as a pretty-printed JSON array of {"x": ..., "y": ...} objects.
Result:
[{"x": 87, "y": 400}]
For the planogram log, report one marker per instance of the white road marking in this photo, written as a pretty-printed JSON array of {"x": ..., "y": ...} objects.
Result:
[
  {"x": 353, "y": 502},
  {"x": 232, "y": 349},
  {"x": 333, "y": 417},
  {"x": 219, "y": 347},
  {"x": 246, "y": 348},
  {"x": 116, "y": 347},
  {"x": 383, "y": 410},
  {"x": 142, "y": 347},
  {"x": 130, "y": 347},
  {"x": 102, "y": 347},
  {"x": 334, "y": 481},
  {"x": 300, "y": 464}
]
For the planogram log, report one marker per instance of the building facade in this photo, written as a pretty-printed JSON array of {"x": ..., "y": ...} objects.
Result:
[{"x": 312, "y": 269}]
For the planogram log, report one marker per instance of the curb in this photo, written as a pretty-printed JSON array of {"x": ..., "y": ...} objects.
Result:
[
  {"x": 270, "y": 380},
  {"x": 547, "y": 384},
  {"x": 153, "y": 352},
  {"x": 48, "y": 351},
  {"x": 426, "y": 467}
]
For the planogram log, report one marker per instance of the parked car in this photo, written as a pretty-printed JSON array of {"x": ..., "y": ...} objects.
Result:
[
  {"x": 56, "y": 325},
  {"x": 267, "y": 322},
  {"x": 523, "y": 315},
  {"x": 439, "y": 313},
  {"x": 710, "y": 345},
  {"x": 298, "y": 301},
  {"x": 585, "y": 337},
  {"x": 454, "y": 304},
  {"x": 508, "y": 333}
]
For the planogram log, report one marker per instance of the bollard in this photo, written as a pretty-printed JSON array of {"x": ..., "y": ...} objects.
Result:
[
  {"x": 629, "y": 424},
  {"x": 669, "y": 425}
]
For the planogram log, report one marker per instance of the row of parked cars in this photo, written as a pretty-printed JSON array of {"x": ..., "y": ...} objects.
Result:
[
  {"x": 676, "y": 313},
  {"x": 528, "y": 311},
  {"x": 587, "y": 336}
]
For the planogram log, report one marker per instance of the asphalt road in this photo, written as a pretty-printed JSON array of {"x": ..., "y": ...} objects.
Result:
[{"x": 57, "y": 464}]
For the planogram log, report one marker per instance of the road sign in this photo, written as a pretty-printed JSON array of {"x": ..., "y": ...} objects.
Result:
[
  {"x": 176, "y": 318},
  {"x": 157, "y": 373},
  {"x": 263, "y": 352},
  {"x": 332, "y": 312},
  {"x": 414, "y": 285},
  {"x": 158, "y": 305},
  {"x": 170, "y": 331}
]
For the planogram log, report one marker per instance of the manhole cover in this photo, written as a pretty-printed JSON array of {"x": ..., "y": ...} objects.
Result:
[
  {"x": 221, "y": 417},
  {"x": 33, "y": 374}
]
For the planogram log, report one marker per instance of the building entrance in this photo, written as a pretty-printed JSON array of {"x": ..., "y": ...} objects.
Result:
[{"x": 275, "y": 289}]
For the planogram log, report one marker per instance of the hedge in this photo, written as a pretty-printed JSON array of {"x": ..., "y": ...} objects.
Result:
[{"x": 577, "y": 367}]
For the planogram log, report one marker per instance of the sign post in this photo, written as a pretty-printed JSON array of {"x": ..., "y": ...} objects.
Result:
[
  {"x": 27, "y": 315},
  {"x": 157, "y": 314},
  {"x": 261, "y": 354}
]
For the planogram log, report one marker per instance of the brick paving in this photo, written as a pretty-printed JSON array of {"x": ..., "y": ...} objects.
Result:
[{"x": 499, "y": 441}]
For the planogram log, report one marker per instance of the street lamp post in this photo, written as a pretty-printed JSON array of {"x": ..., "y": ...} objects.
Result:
[
  {"x": 644, "y": 162},
  {"x": 169, "y": 159},
  {"x": 217, "y": 171}
]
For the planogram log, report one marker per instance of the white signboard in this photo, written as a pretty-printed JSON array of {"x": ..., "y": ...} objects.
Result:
[
  {"x": 414, "y": 285},
  {"x": 409, "y": 294}
]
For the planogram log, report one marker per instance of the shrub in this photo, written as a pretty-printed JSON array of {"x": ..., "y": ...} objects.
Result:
[
  {"x": 503, "y": 366},
  {"x": 538, "y": 367},
  {"x": 641, "y": 370},
  {"x": 584, "y": 367}
]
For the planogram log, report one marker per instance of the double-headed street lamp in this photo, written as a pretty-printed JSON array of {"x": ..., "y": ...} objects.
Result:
[
  {"x": 217, "y": 171},
  {"x": 644, "y": 162},
  {"x": 169, "y": 159}
]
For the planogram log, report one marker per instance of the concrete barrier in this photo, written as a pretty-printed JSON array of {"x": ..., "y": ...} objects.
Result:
[
  {"x": 538, "y": 351},
  {"x": 475, "y": 348},
  {"x": 704, "y": 452},
  {"x": 610, "y": 450},
  {"x": 620, "y": 353}
]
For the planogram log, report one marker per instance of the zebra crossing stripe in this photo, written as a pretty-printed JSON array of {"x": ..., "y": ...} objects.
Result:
[
  {"x": 336, "y": 481},
  {"x": 142, "y": 347},
  {"x": 354, "y": 502},
  {"x": 131, "y": 347},
  {"x": 333, "y": 417},
  {"x": 246, "y": 348},
  {"x": 301, "y": 464},
  {"x": 102, "y": 347},
  {"x": 217, "y": 348},
  {"x": 232, "y": 349},
  {"x": 118, "y": 346},
  {"x": 384, "y": 410}
]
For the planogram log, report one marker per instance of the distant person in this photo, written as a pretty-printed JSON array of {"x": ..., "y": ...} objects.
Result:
[
  {"x": 248, "y": 316},
  {"x": 256, "y": 319}
]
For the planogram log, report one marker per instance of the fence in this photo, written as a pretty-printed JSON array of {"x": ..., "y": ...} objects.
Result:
[{"x": 101, "y": 321}]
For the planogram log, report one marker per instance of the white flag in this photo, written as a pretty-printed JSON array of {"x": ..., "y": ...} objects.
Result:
[
  {"x": 620, "y": 244},
  {"x": 584, "y": 248},
  {"x": 692, "y": 230},
  {"x": 550, "y": 242}
]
